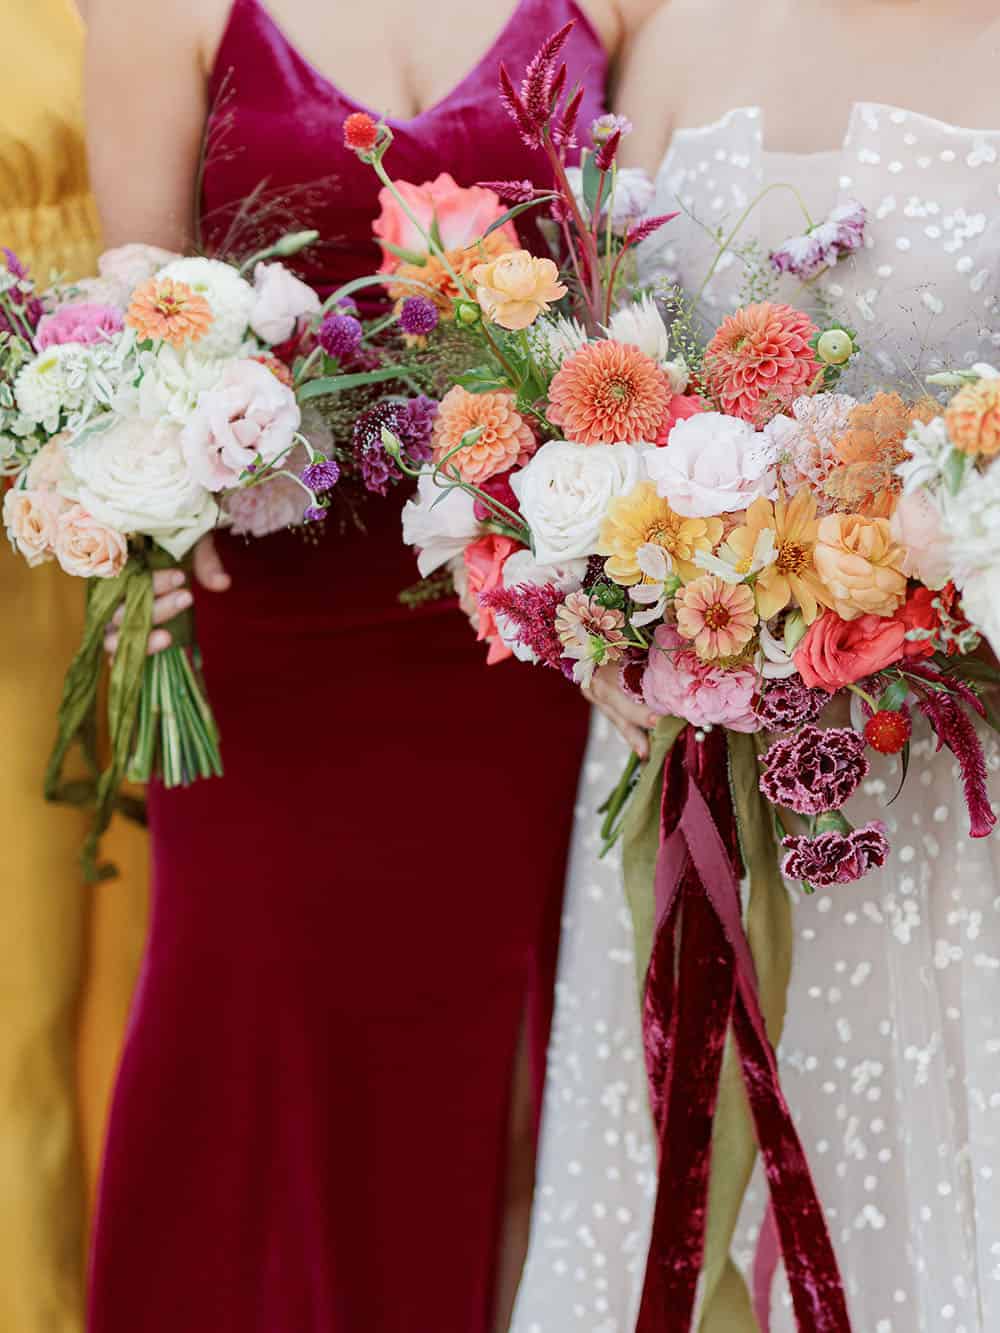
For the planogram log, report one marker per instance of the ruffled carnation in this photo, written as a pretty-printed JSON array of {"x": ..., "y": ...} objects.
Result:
[
  {"x": 789, "y": 703},
  {"x": 760, "y": 360},
  {"x": 506, "y": 439},
  {"x": 815, "y": 770},
  {"x": 608, "y": 393},
  {"x": 834, "y": 857},
  {"x": 678, "y": 683}
]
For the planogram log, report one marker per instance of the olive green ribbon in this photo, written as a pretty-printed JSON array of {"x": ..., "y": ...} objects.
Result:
[{"x": 725, "y": 1303}]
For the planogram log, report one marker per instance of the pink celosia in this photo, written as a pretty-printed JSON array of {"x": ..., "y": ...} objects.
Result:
[
  {"x": 678, "y": 683},
  {"x": 954, "y": 728},
  {"x": 530, "y": 612}
]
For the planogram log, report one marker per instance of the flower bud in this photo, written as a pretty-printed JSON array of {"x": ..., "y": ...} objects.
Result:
[
  {"x": 467, "y": 313},
  {"x": 835, "y": 347},
  {"x": 795, "y": 631},
  {"x": 293, "y": 243}
]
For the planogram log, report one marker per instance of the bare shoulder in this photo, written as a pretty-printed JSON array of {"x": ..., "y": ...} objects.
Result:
[{"x": 192, "y": 27}]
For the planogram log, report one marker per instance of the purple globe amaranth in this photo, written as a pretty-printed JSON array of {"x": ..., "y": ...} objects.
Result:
[
  {"x": 418, "y": 316},
  {"x": 321, "y": 476},
  {"x": 341, "y": 336}
]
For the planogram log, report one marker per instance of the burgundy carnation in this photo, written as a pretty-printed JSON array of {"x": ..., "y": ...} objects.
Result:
[
  {"x": 835, "y": 858},
  {"x": 789, "y": 703},
  {"x": 815, "y": 770}
]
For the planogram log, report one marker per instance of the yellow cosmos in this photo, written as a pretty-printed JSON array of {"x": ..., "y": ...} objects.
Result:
[
  {"x": 792, "y": 578},
  {"x": 644, "y": 518}
]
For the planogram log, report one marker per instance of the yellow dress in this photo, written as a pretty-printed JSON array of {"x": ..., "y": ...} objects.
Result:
[{"x": 68, "y": 954}]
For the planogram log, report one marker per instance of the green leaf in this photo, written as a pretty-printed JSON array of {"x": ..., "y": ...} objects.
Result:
[
  {"x": 332, "y": 384},
  {"x": 516, "y": 211},
  {"x": 954, "y": 470},
  {"x": 480, "y": 384},
  {"x": 591, "y": 182},
  {"x": 407, "y": 256},
  {"x": 894, "y": 697}
]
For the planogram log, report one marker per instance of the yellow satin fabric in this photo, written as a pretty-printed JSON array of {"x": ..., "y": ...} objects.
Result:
[{"x": 68, "y": 955}]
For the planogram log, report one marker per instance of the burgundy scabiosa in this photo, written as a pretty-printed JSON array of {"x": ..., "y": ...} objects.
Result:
[
  {"x": 835, "y": 857},
  {"x": 411, "y": 421},
  {"x": 784, "y": 704},
  {"x": 341, "y": 336},
  {"x": 418, "y": 317},
  {"x": 814, "y": 771}
]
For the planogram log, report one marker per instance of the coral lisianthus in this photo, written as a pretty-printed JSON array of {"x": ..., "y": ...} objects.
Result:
[
  {"x": 718, "y": 617},
  {"x": 609, "y": 392},
  {"x": 760, "y": 360},
  {"x": 166, "y": 310},
  {"x": 506, "y": 438}
]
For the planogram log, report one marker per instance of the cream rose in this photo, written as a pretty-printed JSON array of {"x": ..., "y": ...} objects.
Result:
[
  {"x": 251, "y": 417},
  {"x": 88, "y": 549},
  {"x": 134, "y": 477},
  {"x": 713, "y": 464},
  {"x": 280, "y": 301},
  {"x": 564, "y": 493},
  {"x": 30, "y": 518}
]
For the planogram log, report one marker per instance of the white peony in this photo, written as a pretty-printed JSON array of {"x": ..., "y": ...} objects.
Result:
[
  {"x": 440, "y": 525},
  {"x": 713, "y": 464},
  {"x": 172, "y": 382},
  {"x": 565, "y": 490},
  {"x": 280, "y": 301},
  {"x": 521, "y": 568},
  {"x": 42, "y": 390},
  {"x": 133, "y": 476},
  {"x": 970, "y": 521},
  {"x": 230, "y": 297},
  {"x": 981, "y": 602},
  {"x": 641, "y": 324}
]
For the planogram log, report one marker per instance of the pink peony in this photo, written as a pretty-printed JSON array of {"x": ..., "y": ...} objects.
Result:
[
  {"x": 280, "y": 302},
  {"x": 462, "y": 215},
  {"x": 484, "y": 561},
  {"x": 250, "y": 418},
  {"x": 88, "y": 549},
  {"x": 84, "y": 322},
  {"x": 30, "y": 518},
  {"x": 677, "y": 683}
]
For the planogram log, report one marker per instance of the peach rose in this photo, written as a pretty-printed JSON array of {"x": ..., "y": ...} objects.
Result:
[
  {"x": 30, "y": 518},
  {"x": 49, "y": 469},
  {"x": 88, "y": 549},
  {"x": 860, "y": 565},
  {"x": 837, "y": 652},
  {"x": 516, "y": 288},
  {"x": 484, "y": 561},
  {"x": 462, "y": 215}
]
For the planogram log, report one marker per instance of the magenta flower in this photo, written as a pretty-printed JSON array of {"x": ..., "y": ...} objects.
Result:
[
  {"x": 87, "y": 322},
  {"x": 341, "y": 336},
  {"x": 815, "y": 770},
  {"x": 511, "y": 192},
  {"x": 789, "y": 703},
  {"x": 27, "y": 307},
  {"x": 418, "y": 316},
  {"x": 835, "y": 858},
  {"x": 498, "y": 488},
  {"x": 530, "y": 613},
  {"x": 321, "y": 476},
  {"x": 821, "y": 247}
]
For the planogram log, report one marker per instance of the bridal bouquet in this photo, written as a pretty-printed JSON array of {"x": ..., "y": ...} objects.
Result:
[{"x": 138, "y": 411}]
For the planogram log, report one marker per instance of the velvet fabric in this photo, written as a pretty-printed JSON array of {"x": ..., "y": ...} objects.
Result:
[{"x": 310, "y": 1128}]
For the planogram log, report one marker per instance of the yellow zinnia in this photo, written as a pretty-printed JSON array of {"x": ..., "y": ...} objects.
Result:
[
  {"x": 643, "y": 518},
  {"x": 792, "y": 577}
]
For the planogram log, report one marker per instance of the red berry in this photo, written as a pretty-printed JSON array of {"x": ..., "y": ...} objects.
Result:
[
  {"x": 888, "y": 732},
  {"x": 360, "y": 132}
]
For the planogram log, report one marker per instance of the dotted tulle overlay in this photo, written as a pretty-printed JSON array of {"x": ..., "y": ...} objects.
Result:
[{"x": 891, "y": 1052}]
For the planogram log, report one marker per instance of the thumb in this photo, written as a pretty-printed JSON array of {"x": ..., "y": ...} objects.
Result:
[{"x": 208, "y": 568}]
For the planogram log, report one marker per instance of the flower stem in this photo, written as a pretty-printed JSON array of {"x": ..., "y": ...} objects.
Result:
[{"x": 754, "y": 203}]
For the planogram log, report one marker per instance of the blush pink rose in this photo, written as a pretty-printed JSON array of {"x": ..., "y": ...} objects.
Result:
[
  {"x": 916, "y": 526},
  {"x": 677, "y": 683},
  {"x": 86, "y": 322},
  {"x": 31, "y": 519},
  {"x": 250, "y": 417},
  {"x": 836, "y": 652},
  {"x": 484, "y": 562},
  {"x": 88, "y": 549},
  {"x": 281, "y": 301},
  {"x": 128, "y": 266},
  {"x": 462, "y": 215}
]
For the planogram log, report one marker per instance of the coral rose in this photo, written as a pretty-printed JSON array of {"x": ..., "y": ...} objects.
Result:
[
  {"x": 516, "y": 288},
  {"x": 973, "y": 418},
  {"x": 860, "y": 565},
  {"x": 506, "y": 440},
  {"x": 88, "y": 549},
  {"x": 461, "y": 215},
  {"x": 484, "y": 562},
  {"x": 837, "y": 652},
  {"x": 919, "y": 612},
  {"x": 760, "y": 360}
]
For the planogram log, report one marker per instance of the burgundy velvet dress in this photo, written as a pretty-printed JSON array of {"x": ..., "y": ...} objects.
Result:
[{"x": 310, "y": 1127}]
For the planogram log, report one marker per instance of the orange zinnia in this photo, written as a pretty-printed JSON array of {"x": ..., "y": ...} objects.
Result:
[
  {"x": 167, "y": 311},
  {"x": 609, "y": 393}
]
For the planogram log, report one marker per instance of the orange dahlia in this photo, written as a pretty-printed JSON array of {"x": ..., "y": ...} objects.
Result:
[
  {"x": 168, "y": 311},
  {"x": 609, "y": 393},
  {"x": 870, "y": 450},
  {"x": 434, "y": 275},
  {"x": 973, "y": 418},
  {"x": 506, "y": 439},
  {"x": 760, "y": 361}
]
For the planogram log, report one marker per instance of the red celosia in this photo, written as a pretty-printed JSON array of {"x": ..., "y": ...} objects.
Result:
[
  {"x": 538, "y": 88},
  {"x": 564, "y": 128},
  {"x": 604, "y": 157},
  {"x": 531, "y": 609},
  {"x": 955, "y": 729},
  {"x": 643, "y": 230},
  {"x": 360, "y": 132},
  {"x": 511, "y": 192}
]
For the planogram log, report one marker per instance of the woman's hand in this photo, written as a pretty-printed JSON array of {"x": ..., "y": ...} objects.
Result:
[
  {"x": 633, "y": 720},
  {"x": 171, "y": 596}
]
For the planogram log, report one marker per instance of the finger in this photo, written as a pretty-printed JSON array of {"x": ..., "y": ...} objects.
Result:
[
  {"x": 609, "y": 692},
  {"x": 208, "y": 568},
  {"x": 157, "y": 641},
  {"x": 635, "y": 737},
  {"x": 168, "y": 580},
  {"x": 165, "y": 608}
]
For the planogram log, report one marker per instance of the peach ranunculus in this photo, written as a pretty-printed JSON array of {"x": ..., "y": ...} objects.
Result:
[
  {"x": 484, "y": 562},
  {"x": 515, "y": 289},
  {"x": 88, "y": 549},
  {"x": 506, "y": 440},
  {"x": 860, "y": 565},
  {"x": 837, "y": 652},
  {"x": 30, "y": 518},
  {"x": 973, "y": 418},
  {"x": 462, "y": 214}
]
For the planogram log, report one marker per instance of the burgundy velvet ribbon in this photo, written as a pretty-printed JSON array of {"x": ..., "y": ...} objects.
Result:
[{"x": 701, "y": 979}]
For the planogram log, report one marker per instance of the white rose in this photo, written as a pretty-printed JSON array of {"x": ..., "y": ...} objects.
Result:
[
  {"x": 521, "y": 568},
  {"x": 713, "y": 464},
  {"x": 565, "y": 490},
  {"x": 439, "y": 525},
  {"x": 172, "y": 383},
  {"x": 280, "y": 301},
  {"x": 133, "y": 477},
  {"x": 230, "y": 297}
]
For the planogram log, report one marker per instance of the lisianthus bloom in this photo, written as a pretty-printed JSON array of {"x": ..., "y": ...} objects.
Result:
[
  {"x": 973, "y": 418},
  {"x": 870, "y": 451},
  {"x": 608, "y": 393},
  {"x": 460, "y": 215},
  {"x": 516, "y": 288},
  {"x": 793, "y": 577},
  {"x": 432, "y": 273},
  {"x": 815, "y": 770},
  {"x": 835, "y": 858},
  {"x": 168, "y": 311},
  {"x": 643, "y": 518},
  {"x": 590, "y": 633},
  {"x": 506, "y": 440},
  {"x": 760, "y": 360},
  {"x": 837, "y": 652},
  {"x": 484, "y": 561},
  {"x": 860, "y": 565},
  {"x": 677, "y": 683},
  {"x": 718, "y": 617}
]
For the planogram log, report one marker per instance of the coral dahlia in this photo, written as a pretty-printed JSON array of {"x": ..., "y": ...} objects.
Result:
[
  {"x": 760, "y": 361},
  {"x": 609, "y": 393},
  {"x": 506, "y": 440}
]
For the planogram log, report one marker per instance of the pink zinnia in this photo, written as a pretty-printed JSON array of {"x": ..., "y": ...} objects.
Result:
[
  {"x": 718, "y": 617},
  {"x": 760, "y": 361}
]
